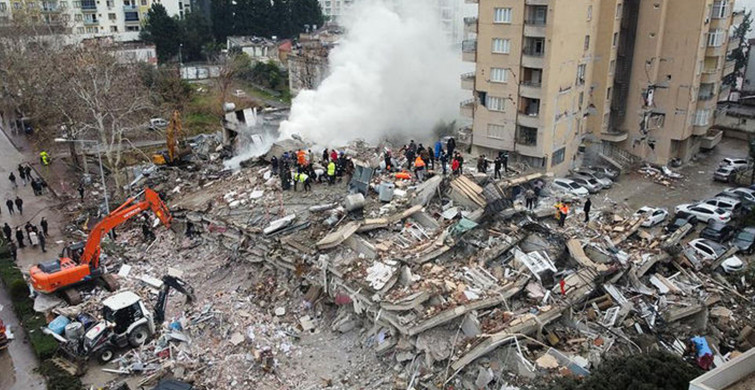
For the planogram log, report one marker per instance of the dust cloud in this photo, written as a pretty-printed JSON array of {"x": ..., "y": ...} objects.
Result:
[{"x": 392, "y": 74}]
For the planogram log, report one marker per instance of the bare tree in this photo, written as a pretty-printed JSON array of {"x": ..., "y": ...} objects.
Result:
[{"x": 230, "y": 66}]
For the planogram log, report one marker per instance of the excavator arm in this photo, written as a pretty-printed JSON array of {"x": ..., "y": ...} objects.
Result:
[
  {"x": 162, "y": 298},
  {"x": 126, "y": 211}
]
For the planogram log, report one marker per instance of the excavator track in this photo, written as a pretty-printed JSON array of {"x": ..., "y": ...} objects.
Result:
[
  {"x": 72, "y": 296},
  {"x": 110, "y": 282}
]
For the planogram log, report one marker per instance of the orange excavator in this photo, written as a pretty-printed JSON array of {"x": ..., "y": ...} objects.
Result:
[{"x": 80, "y": 262}]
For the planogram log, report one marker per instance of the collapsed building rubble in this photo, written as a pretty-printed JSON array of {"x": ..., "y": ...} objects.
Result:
[{"x": 441, "y": 279}]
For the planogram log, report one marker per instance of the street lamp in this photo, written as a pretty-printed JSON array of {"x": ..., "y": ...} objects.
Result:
[{"x": 99, "y": 159}]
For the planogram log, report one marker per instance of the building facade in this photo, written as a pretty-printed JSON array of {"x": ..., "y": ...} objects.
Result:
[
  {"x": 92, "y": 18},
  {"x": 642, "y": 76},
  {"x": 334, "y": 9}
]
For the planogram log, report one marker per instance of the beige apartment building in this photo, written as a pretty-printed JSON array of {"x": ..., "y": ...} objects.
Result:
[{"x": 552, "y": 76}]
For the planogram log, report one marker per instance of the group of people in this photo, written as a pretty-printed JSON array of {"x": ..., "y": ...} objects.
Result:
[
  {"x": 502, "y": 161},
  {"x": 420, "y": 159},
  {"x": 562, "y": 210},
  {"x": 24, "y": 173},
  {"x": 35, "y": 236},
  {"x": 333, "y": 166}
]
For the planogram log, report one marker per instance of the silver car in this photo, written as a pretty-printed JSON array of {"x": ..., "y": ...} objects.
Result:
[
  {"x": 592, "y": 185},
  {"x": 588, "y": 174}
]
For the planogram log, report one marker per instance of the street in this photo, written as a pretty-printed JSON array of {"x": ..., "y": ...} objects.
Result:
[{"x": 18, "y": 363}]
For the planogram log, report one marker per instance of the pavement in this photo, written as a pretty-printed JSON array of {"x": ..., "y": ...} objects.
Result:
[{"x": 19, "y": 361}]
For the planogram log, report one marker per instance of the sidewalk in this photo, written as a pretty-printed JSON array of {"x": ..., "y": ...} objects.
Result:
[{"x": 52, "y": 173}]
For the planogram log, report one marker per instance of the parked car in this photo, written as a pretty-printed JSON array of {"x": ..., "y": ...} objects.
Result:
[
  {"x": 744, "y": 194},
  {"x": 653, "y": 215},
  {"x": 589, "y": 174},
  {"x": 707, "y": 249},
  {"x": 569, "y": 187},
  {"x": 738, "y": 163},
  {"x": 680, "y": 219},
  {"x": 601, "y": 171},
  {"x": 592, "y": 185},
  {"x": 745, "y": 240},
  {"x": 705, "y": 212},
  {"x": 725, "y": 173},
  {"x": 157, "y": 124},
  {"x": 731, "y": 205},
  {"x": 717, "y": 231},
  {"x": 733, "y": 264}
]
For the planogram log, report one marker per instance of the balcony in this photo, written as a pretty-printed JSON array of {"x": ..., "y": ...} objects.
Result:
[
  {"x": 534, "y": 28},
  {"x": 467, "y": 81},
  {"x": 89, "y": 5},
  {"x": 737, "y": 18},
  {"x": 529, "y": 120},
  {"x": 50, "y": 7},
  {"x": 709, "y": 103},
  {"x": 533, "y": 58},
  {"x": 536, "y": 2},
  {"x": 713, "y": 51},
  {"x": 711, "y": 139},
  {"x": 700, "y": 130},
  {"x": 710, "y": 76},
  {"x": 467, "y": 108},
  {"x": 614, "y": 135},
  {"x": 91, "y": 22},
  {"x": 131, "y": 17},
  {"x": 469, "y": 50},
  {"x": 470, "y": 25},
  {"x": 130, "y": 8},
  {"x": 723, "y": 94},
  {"x": 532, "y": 89},
  {"x": 733, "y": 43},
  {"x": 729, "y": 67}
]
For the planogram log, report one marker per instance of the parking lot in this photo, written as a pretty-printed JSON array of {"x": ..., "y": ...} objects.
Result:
[{"x": 633, "y": 190}]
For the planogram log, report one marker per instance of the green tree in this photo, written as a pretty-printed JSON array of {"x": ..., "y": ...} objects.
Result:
[
  {"x": 654, "y": 370},
  {"x": 306, "y": 12},
  {"x": 253, "y": 17},
  {"x": 195, "y": 34},
  {"x": 739, "y": 55},
  {"x": 163, "y": 31},
  {"x": 222, "y": 19}
]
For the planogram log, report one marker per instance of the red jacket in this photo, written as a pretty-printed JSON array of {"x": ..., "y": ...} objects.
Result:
[
  {"x": 455, "y": 165},
  {"x": 333, "y": 155}
]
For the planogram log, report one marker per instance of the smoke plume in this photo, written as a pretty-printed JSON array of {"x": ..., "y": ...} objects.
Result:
[{"x": 392, "y": 74}]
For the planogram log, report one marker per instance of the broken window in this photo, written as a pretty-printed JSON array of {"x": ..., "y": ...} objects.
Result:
[
  {"x": 558, "y": 157},
  {"x": 526, "y": 136}
]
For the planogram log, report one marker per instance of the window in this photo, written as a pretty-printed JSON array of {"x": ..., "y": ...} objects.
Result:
[
  {"x": 716, "y": 37},
  {"x": 608, "y": 93},
  {"x": 501, "y": 46},
  {"x": 77, "y": 4},
  {"x": 558, "y": 157},
  {"x": 581, "y": 70},
  {"x": 78, "y": 17},
  {"x": 111, "y": 16},
  {"x": 581, "y": 99},
  {"x": 91, "y": 29},
  {"x": 132, "y": 28},
  {"x": 606, "y": 119},
  {"x": 3, "y": 7},
  {"x": 17, "y": 5},
  {"x": 587, "y": 42},
  {"x": 110, "y": 3},
  {"x": 80, "y": 30},
  {"x": 502, "y": 15},
  {"x": 498, "y": 75},
  {"x": 31, "y": 5},
  {"x": 618, "y": 10},
  {"x": 526, "y": 136},
  {"x": 143, "y": 2},
  {"x": 113, "y": 28},
  {"x": 720, "y": 9},
  {"x": 496, "y": 131},
  {"x": 63, "y": 5},
  {"x": 589, "y": 13},
  {"x": 615, "y": 39},
  {"x": 702, "y": 117},
  {"x": 612, "y": 67},
  {"x": 494, "y": 103}
]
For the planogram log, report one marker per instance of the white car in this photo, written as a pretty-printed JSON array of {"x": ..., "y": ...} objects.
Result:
[
  {"x": 744, "y": 194},
  {"x": 707, "y": 249},
  {"x": 725, "y": 203},
  {"x": 157, "y": 123},
  {"x": 653, "y": 215},
  {"x": 592, "y": 185},
  {"x": 705, "y": 212},
  {"x": 737, "y": 163},
  {"x": 733, "y": 264},
  {"x": 569, "y": 187},
  {"x": 605, "y": 182}
]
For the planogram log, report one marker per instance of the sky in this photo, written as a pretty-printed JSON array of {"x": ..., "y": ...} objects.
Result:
[{"x": 748, "y": 5}]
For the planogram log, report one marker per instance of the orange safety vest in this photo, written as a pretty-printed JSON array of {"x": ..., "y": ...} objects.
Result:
[
  {"x": 419, "y": 163},
  {"x": 565, "y": 210},
  {"x": 301, "y": 157}
]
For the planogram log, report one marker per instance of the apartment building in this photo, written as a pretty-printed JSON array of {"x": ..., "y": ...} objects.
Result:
[
  {"x": 680, "y": 52},
  {"x": 93, "y": 17},
  {"x": 532, "y": 83},
  {"x": 638, "y": 76},
  {"x": 334, "y": 9}
]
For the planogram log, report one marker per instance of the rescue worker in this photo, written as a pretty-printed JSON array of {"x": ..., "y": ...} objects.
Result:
[
  {"x": 44, "y": 158},
  {"x": 419, "y": 168},
  {"x": 587, "y": 207},
  {"x": 20, "y": 237},
  {"x": 7, "y": 231},
  {"x": 564, "y": 213},
  {"x": 304, "y": 179},
  {"x": 455, "y": 166},
  {"x": 332, "y": 172},
  {"x": 443, "y": 161},
  {"x": 529, "y": 197},
  {"x": 497, "y": 167}
]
